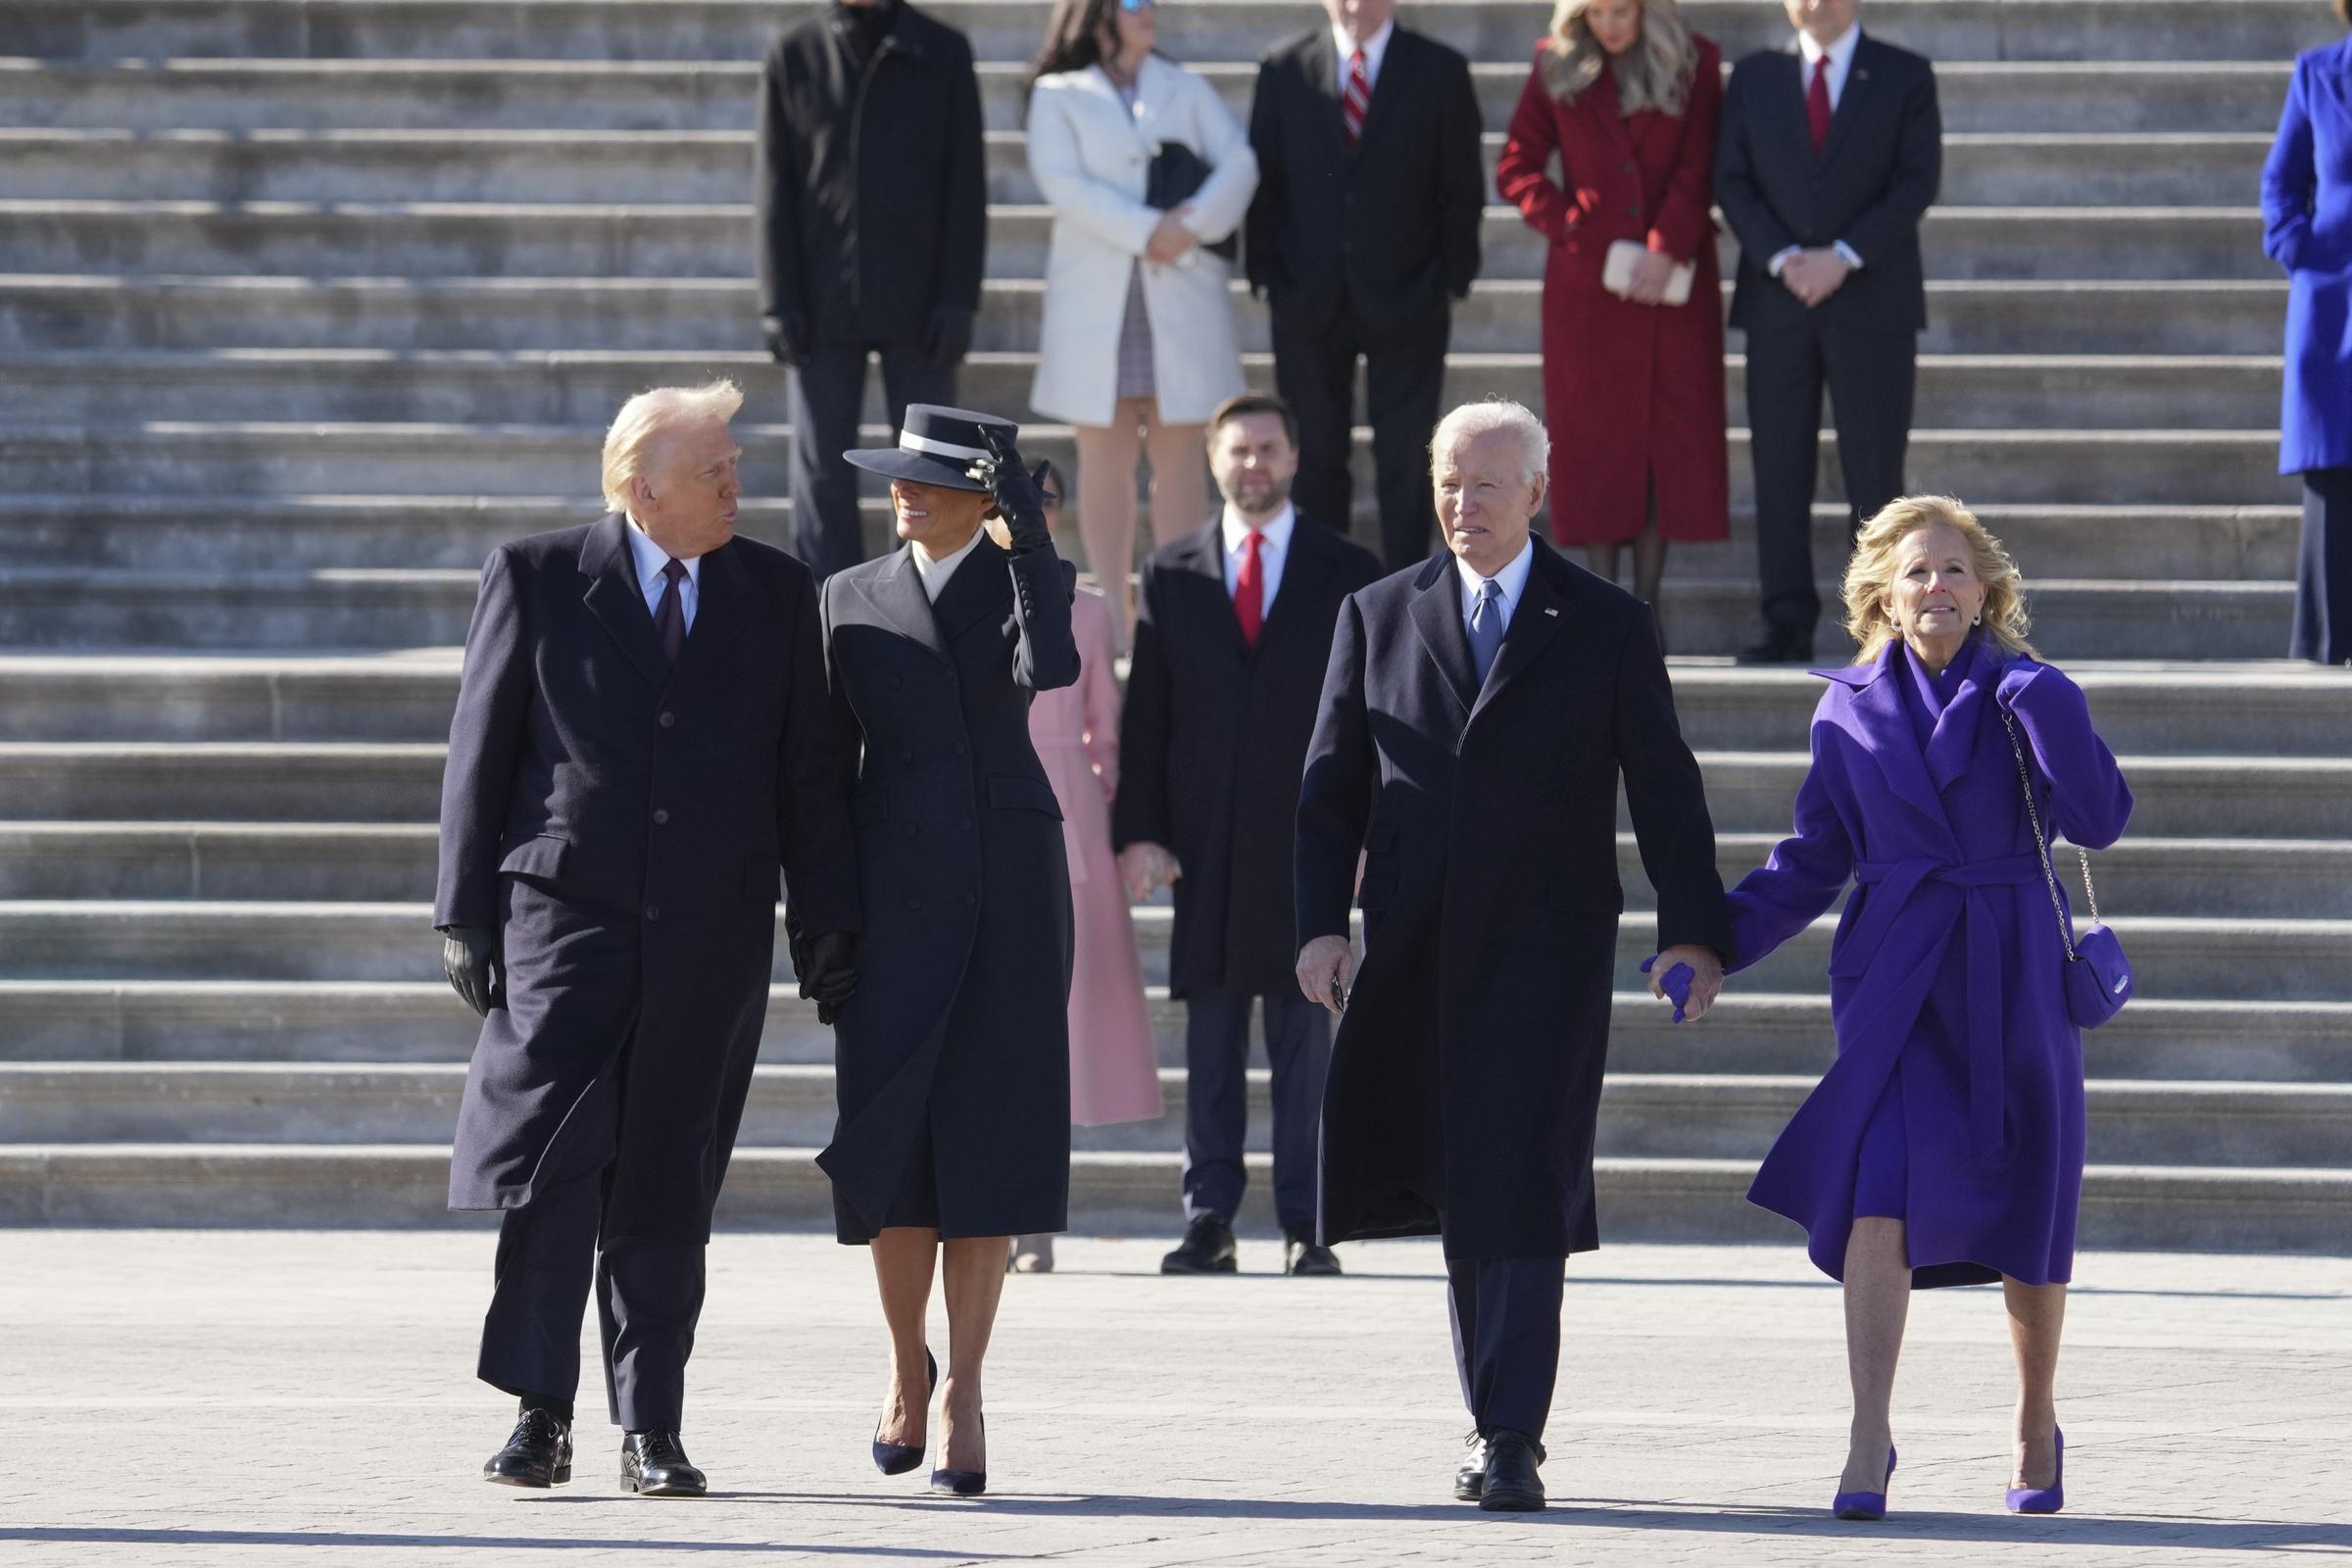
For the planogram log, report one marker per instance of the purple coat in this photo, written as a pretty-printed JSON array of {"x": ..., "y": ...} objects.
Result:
[{"x": 1946, "y": 964}]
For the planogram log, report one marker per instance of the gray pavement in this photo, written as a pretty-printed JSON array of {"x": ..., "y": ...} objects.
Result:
[{"x": 241, "y": 1397}]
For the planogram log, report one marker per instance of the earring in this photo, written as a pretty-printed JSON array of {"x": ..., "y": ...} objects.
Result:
[{"x": 1979, "y": 621}]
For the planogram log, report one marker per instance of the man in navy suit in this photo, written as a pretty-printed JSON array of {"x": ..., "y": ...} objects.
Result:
[
  {"x": 1829, "y": 154},
  {"x": 642, "y": 738}
]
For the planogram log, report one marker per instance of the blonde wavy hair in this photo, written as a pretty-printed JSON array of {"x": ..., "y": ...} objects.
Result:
[
  {"x": 1870, "y": 575},
  {"x": 1655, "y": 74},
  {"x": 648, "y": 418}
]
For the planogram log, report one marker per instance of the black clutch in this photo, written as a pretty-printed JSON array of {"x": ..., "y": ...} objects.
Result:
[{"x": 1176, "y": 175}]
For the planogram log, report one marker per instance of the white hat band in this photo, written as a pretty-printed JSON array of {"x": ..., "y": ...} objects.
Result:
[{"x": 908, "y": 441}]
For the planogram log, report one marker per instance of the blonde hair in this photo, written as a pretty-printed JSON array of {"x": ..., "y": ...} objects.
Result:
[
  {"x": 1870, "y": 575},
  {"x": 1483, "y": 418},
  {"x": 647, "y": 418},
  {"x": 1655, "y": 74}
]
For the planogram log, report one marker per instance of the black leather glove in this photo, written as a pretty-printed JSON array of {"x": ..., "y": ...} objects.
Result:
[
  {"x": 787, "y": 336},
  {"x": 476, "y": 968},
  {"x": 1019, "y": 492},
  {"x": 829, "y": 977},
  {"x": 948, "y": 335}
]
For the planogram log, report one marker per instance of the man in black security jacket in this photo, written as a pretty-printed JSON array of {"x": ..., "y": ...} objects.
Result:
[
  {"x": 642, "y": 736},
  {"x": 1828, "y": 156},
  {"x": 873, "y": 204},
  {"x": 1363, "y": 232}
]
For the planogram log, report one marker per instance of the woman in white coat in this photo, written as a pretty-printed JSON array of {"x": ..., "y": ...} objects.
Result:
[{"x": 1138, "y": 347}]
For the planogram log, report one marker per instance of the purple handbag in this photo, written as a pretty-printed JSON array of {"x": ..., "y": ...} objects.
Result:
[{"x": 2099, "y": 977}]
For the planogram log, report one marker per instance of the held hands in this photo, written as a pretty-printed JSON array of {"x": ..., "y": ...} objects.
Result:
[
  {"x": 1652, "y": 273},
  {"x": 1019, "y": 492},
  {"x": 1706, "y": 979},
  {"x": 1170, "y": 239},
  {"x": 830, "y": 973},
  {"x": 1325, "y": 967},
  {"x": 1145, "y": 869},
  {"x": 1814, "y": 276},
  {"x": 475, "y": 967}
]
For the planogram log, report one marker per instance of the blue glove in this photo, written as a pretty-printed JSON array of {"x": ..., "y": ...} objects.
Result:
[{"x": 1677, "y": 984}]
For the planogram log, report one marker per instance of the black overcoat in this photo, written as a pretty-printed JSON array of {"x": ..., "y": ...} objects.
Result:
[
  {"x": 1212, "y": 740},
  {"x": 624, "y": 821},
  {"x": 1466, "y": 1073},
  {"x": 959, "y": 1033}
]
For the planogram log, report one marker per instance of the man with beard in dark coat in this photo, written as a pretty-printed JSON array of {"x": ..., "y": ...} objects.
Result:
[
  {"x": 1478, "y": 715},
  {"x": 642, "y": 736},
  {"x": 873, "y": 204},
  {"x": 1232, "y": 633}
]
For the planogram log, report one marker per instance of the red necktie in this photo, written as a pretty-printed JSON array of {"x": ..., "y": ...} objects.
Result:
[
  {"x": 1249, "y": 588},
  {"x": 1357, "y": 101},
  {"x": 1817, "y": 106}
]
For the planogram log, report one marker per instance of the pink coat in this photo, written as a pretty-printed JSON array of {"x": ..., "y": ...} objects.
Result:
[{"x": 1114, "y": 1065}]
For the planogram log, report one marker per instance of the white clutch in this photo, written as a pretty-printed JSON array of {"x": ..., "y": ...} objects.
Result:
[{"x": 1617, "y": 272}]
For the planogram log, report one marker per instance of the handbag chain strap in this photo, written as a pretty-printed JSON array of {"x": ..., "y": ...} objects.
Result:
[{"x": 2066, "y": 929}]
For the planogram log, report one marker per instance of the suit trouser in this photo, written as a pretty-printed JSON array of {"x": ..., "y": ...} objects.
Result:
[
  {"x": 827, "y": 394},
  {"x": 1405, "y": 384},
  {"x": 1870, "y": 376},
  {"x": 2324, "y": 570},
  {"x": 649, "y": 1295},
  {"x": 1506, "y": 1338},
  {"x": 1216, "y": 1119}
]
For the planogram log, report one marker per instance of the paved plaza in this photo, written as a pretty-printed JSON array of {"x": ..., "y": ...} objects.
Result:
[{"x": 240, "y": 1397}]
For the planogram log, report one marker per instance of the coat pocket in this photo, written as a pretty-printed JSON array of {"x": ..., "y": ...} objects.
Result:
[
  {"x": 1012, "y": 792},
  {"x": 543, "y": 856}
]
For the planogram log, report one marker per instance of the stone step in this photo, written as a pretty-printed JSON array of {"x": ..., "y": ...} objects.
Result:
[
  {"x": 1669, "y": 1116},
  {"x": 393, "y": 861},
  {"x": 2165, "y": 1208},
  {"x": 2041, "y": 391},
  {"x": 103, "y": 31},
  {"x": 654, "y": 168},
  {"x": 2179, "y": 958},
  {"x": 472, "y": 239},
  {"x": 688, "y": 315},
  {"x": 442, "y": 94}
]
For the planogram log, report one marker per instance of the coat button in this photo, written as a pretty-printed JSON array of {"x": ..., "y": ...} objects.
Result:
[
  {"x": 913, "y": 902},
  {"x": 669, "y": 722},
  {"x": 959, "y": 747},
  {"x": 1633, "y": 213},
  {"x": 661, "y": 816},
  {"x": 896, "y": 683},
  {"x": 1625, "y": 168},
  {"x": 964, "y": 822},
  {"x": 911, "y": 831},
  {"x": 970, "y": 899},
  {"x": 905, "y": 754},
  {"x": 652, "y": 912}
]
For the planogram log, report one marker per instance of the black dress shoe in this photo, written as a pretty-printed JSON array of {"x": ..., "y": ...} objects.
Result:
[
  {"x": 1206, "y": 1248},
  {"x": 537, "y": 1454},
  {"x": 1470, "y": 1481},
  {"x": 897, "y": 1459},
  {"x": 1777, "y": 651},
  {"x": 1511, "y": 1485},
  {"x": 654, "y": 1464},
  {"x": 1302, "y": 1256}
]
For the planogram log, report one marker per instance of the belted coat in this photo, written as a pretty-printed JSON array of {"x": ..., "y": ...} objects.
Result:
[
  {"x": 1946, "y": 962},
  {"x": 953, "y": 1055},
  {"x": 1465, "y": 1077},
  {"x": 620, "y": 821}
]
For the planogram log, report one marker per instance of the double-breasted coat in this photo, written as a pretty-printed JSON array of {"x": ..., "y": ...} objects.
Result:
[
  {"x": 621, "y": 822},
  {"x": 1632, "y": 394},
  {"x": 1466, "y": 1074},
  {"x": 1945, "y": 970},
  {"x": 1213, "y": 741},
  {"x": 956, "y": 1038}
]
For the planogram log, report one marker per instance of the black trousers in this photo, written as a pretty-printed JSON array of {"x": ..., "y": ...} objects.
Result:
[
  {"x": 1216, "y": 1120},
  {"x": 1405, "y": 384},
  {"x": 649, "y": 1295},
  {"x": 827, "y": 395},
  {"x": 2323, "y": 573},
  {"x": 1871, "y": 379},
  {"x": 1506, "y": 1338}
]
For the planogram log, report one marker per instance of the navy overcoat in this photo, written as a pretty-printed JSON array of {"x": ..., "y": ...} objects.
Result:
[
  {"x": 954, "y": 1054},
  {"x": 623, "y": 821},
  {"x": 1466, "y": 1074}
]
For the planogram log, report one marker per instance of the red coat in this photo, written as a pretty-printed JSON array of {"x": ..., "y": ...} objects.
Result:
[{"x": 1633, "y": 393}]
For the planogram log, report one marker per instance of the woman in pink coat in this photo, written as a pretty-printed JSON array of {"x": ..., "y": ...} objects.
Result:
[{"x": 1115, "y": 1064}]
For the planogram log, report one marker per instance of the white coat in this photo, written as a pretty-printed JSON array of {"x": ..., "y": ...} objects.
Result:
[{"x": 1092, "y": 158}]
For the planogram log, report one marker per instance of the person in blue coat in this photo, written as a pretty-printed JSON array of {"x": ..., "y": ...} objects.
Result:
[
  {"x": 1945, "y": 1143},
  {"x": 2306, "y": 228}
]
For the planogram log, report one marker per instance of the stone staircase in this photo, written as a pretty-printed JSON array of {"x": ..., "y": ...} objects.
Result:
[{"x": 305, "y": 304}]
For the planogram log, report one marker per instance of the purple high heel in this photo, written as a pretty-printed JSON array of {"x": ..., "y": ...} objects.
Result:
[
  {"x": 1865, "y": 1505},
  {"x": 2043, "y": 1499}
]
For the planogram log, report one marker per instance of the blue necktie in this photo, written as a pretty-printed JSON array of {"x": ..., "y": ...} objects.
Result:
[{"x": 1486, "y": 627}]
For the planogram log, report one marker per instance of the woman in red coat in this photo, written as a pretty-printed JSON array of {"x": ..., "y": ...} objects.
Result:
[{"x": 1628, "y": 96}]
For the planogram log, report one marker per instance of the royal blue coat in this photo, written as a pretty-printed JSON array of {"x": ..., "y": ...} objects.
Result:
[{"x": 2306, "y": 228}]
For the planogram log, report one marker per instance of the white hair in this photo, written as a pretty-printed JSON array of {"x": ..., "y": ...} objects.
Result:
[
  {"x": 647, "y": 417},
  {"x": 1485, "y": 417}
]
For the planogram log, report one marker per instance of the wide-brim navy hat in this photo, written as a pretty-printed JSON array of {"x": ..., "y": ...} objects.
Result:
[{"x": 938, "y": 446}]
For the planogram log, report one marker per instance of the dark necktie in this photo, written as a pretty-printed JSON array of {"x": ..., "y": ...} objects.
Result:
[
  {"x": 1485, "y": 628},
  {"x": 670, "y": 616},
  {"x": 1817, "y": 106}
]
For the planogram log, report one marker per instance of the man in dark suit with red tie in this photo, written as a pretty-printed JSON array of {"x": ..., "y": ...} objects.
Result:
[
  {"x": 1829, "y": 154},
  {"x": 1232, "y": 635}
]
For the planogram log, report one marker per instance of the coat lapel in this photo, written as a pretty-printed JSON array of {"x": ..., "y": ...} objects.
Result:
[
  {"x": 1603, "y": 108},
  {"x": 616, "y": 599},
  {"x": 1302, "y": 577},
  {"x": 1954, "y": 745},
  {"x": 1851, "y": 101},
  {"x": 721, "y": 587},
  {"x": 1323, "y": 75},
  {"x": 1438, "y": 617},
  {"x": 1884, "y": 731},
  {"x": 1393, "y": 84},
  {"x": 1203, "y": 557},
  {"x": 897, "y": 594},
  {"x": 980, "y": 589},
  {"x": 1533, "y": 624}
]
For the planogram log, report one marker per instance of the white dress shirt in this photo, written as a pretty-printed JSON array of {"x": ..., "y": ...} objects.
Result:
[
  {"x": 651, "y": 557},
  {"x": 1376, "y": 49},
  {"x": 1273, "y": 548},
  {"x": 935, "y": 572},
  {"x": 1840, "y": 56},
  {"x": 1511, "y": 580}
]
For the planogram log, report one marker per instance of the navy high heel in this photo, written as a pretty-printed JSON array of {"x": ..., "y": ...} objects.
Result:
[
  {"x": 1865, "y": 1505},
  {"x": 897, "y": 1459},
  {"x": 2043, "y": 1499},
  {"x": 962, "y": 1483}
]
